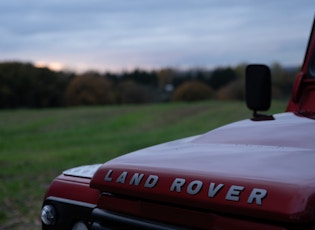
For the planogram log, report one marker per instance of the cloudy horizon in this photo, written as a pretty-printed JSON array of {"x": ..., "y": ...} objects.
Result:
[{"x": 106, "y": 35}]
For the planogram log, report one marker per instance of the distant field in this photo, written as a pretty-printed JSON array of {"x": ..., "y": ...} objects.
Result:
[{"x": 36, "y": 145}]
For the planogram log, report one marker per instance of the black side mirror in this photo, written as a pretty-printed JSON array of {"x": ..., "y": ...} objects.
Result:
[{"x": 258, "y": 88}]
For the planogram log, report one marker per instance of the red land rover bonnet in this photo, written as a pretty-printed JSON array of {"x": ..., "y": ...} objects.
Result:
[{"x": 266, "y": 167}]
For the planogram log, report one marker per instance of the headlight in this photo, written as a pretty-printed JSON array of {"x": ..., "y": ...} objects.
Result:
[{"x": 48, "y": 215}]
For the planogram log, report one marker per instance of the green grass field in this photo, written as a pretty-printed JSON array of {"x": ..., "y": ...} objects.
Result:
[{"x": 37, "y": 145}]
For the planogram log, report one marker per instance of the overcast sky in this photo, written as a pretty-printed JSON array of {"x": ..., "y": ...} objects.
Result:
[{"x": 114, "y": 35}]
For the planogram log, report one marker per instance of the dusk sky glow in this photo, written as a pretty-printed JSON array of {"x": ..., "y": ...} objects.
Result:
[{"x": 107, "y": 35}]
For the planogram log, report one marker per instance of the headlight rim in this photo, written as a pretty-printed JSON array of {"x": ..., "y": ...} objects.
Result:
[{"x": 48, "y": 215}]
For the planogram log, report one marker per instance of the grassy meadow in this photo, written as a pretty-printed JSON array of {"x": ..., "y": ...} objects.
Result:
[{"x": 37, "y": 145}]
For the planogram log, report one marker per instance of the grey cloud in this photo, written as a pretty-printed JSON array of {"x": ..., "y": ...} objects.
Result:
[{"x": 154, "y": 33}]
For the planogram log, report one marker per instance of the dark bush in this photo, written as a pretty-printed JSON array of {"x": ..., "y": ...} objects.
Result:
[
  {"x": 192, "y": 91},
  {"x": 89, "y": 89},
  {"x": 221, "y": 77},
  {"x": 233, "y": 91},
  {"x": 132, "y": 92},
  {"x": 24, "y": 85}
]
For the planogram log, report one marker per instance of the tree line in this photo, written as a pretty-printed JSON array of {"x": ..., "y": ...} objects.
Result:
[{"x": 23, "y": 85}]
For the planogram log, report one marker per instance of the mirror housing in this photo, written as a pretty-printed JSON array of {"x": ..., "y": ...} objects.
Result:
[{"x": 258, "y": 88}]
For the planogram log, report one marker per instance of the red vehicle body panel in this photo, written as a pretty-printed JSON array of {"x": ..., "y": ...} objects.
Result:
[
  {"x": 303, "y": 93},
  {"x": 69, "y": 187},
  {"x": 251, "y": 174},
  {"x": 284, "y": 169}
]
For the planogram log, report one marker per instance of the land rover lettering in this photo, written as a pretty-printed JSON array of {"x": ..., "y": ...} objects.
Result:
[
  {"x": 233, "y": 194},
  {"x": 108, "y": 174},
  {"x": 257, "y": 195},
  {"x": 194, "y": 187},
  {"x": 122, "y": 178},
  {"x": 213, "y": 189},
  {"x": 177, "y": 185},
  {"x": 151, "y": 181},
  {"x": 135, "y": 179},
  {"x": 190, "y": 187}
]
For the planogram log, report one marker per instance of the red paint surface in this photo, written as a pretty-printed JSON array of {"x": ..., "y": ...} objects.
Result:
[{"x": 261, "y": 160}]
